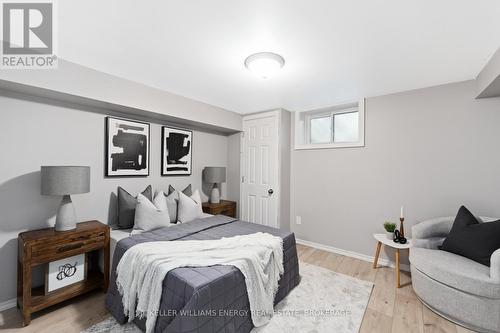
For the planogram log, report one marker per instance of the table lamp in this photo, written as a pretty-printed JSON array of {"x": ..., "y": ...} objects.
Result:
[
  {"x": 214, "y": 175},
  {"x": 65, "y": 180}
]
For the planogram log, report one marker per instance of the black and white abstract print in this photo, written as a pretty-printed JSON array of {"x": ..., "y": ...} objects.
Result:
[
  {"x": 127, "y": 148},
  {"x": 66, "y": 271},
  {"x": 177, "y": 147}
]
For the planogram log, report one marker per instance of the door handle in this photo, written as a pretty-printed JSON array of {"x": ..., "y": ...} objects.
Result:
[{"x": 270, "y": 191}]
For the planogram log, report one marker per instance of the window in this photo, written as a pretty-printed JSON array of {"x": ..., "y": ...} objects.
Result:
[
  {"x": 346, "y": 127},
  {"x": 335, "y": 127},
  {"x": 321, "y": 129}
]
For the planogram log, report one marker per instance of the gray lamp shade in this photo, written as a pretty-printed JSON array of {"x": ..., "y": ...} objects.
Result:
[
  {"x": 214, "y": 175},
  {"x": 64, "y": 180}
]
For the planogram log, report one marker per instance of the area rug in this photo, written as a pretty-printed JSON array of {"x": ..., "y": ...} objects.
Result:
[{"x": 324, "y": 301}]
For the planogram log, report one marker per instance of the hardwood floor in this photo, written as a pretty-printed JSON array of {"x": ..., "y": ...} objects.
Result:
[{"x": 389, "y": 310}]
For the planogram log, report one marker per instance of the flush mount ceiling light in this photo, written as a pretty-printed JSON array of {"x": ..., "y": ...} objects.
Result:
[{"x": 264, "y": 64}]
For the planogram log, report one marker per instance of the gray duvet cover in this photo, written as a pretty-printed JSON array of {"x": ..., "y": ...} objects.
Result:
[{"x": 204, "y": 299}]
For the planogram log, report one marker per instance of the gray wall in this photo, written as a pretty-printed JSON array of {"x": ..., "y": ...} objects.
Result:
[
  {"x": 233, "y": 168},
  {"x": 430, "y": 150},
  {"x": 33, "y": 133}
]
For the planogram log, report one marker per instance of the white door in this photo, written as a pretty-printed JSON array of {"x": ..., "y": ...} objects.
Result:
[{"x": 260, "y": 169}]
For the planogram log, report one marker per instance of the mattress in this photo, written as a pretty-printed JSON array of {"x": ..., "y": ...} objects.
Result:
[
  {"x": 204, "y": 299},
  {"x": 115, "y": 236}
]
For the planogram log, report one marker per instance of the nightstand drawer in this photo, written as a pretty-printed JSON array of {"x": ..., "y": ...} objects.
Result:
[
  {"x": 227, "y": 211},
  {"x": 50, "y": 251}
]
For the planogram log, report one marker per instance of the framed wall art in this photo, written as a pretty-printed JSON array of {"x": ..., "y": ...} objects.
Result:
[
  {"x": 176, "y": 151},
  {"x": 127, "y": 148}
]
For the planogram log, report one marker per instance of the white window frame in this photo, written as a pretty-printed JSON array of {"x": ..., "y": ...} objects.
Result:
[{"x": 305, "y": 127}]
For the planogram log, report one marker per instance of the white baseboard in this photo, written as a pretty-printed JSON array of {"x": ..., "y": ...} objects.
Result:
[
  {"x": 381, "y": 261},
  {"x": 8, "y": 304}
]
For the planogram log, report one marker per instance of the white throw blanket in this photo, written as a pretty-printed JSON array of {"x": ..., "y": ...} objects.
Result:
[{"x": 143, "y": 267}]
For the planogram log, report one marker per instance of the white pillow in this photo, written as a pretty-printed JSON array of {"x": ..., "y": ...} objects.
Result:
[
  {"x": 189, "y": 208},
  {"x": 151, "y": 215}
]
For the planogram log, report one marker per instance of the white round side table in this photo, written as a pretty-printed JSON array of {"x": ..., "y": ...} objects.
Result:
[{"x": 382, "y": 239}]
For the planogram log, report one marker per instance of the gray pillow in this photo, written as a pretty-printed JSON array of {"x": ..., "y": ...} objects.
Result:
[
  {"x": 126, "y": 206},
  {"x": 172, "y": 207},
  {"x": 187, "y": 191},
  {"x": 173, "y": 200}
]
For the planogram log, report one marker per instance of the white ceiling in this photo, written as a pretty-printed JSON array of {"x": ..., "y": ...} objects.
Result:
[{"x": 335, "y": 51}]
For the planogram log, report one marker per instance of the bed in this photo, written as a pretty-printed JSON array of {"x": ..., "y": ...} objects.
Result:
[{"x": 202, "y": 299}]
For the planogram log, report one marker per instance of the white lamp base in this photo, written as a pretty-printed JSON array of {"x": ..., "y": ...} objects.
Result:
[
  {"x": 66, "y": 215},
  {"x": 215, "y": 195}
]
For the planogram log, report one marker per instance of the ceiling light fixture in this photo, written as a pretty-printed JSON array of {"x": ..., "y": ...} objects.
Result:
[{"x": 264, "y": 64}]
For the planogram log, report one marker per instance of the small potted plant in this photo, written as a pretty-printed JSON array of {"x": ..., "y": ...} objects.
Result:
[{"x": 389, "y": 229}]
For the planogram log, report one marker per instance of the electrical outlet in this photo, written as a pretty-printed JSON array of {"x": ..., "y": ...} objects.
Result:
[{"x": 298, "y": 219}]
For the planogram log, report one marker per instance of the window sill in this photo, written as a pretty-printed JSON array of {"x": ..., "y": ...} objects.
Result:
[{"x": 329, "y": 145}]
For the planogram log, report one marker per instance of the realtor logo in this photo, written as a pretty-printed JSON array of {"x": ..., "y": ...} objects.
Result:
[{"x": 28, "y": 35}]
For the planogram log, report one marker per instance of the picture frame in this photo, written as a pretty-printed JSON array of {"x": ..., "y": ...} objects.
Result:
[
  {"x": 65, "y": 272},
  {"x": 176, "y": 151},
  {"x": 127, "y": 148}
]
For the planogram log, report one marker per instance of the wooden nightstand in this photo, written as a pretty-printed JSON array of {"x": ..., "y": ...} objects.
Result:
[
  {"x": 225, "y": 207},
  {"x": 42, "y": 246}
]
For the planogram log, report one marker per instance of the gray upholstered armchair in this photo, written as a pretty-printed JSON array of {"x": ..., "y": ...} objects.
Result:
[{"x": 457, "y": 288}]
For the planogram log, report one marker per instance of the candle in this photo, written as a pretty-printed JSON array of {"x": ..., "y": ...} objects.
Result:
[{"x": 402, "y": 212}]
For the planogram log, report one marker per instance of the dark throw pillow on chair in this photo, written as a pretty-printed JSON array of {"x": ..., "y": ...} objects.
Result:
[
  {"x": 472, "y": 239},
  {"x": 126, "y": 206}
]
